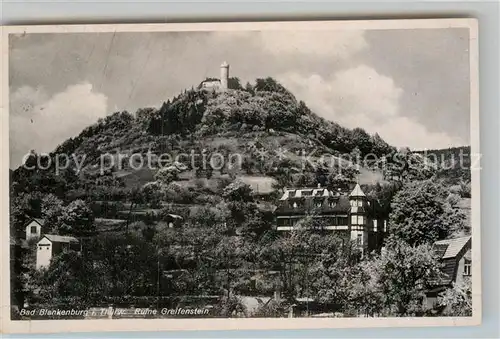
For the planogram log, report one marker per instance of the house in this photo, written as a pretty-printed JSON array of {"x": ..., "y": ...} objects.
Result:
[
  {"x": 51, "y": 245},
  {"x": 348, "y": 213},
  {"x": 218, "y": 84},
  {"x": 34, "y": 229},
  {"x": 455, "y": 256}
]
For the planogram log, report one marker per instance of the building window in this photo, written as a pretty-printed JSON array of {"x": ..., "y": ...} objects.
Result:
[
  {"x": 343, "y": 221},
  {"x": 357, "y": 220},
  {"x": 33, "y": 230},
  {"x": 467, "y": 267},
  {"x": 360, "y": 203},
  {"x": 294, "y": 205}
]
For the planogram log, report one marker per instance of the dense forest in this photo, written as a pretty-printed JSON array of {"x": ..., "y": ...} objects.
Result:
[{"x": 455, "y": 162}]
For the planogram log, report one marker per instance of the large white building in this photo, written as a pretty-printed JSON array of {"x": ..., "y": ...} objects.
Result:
[{"x": 350, "y": 214}]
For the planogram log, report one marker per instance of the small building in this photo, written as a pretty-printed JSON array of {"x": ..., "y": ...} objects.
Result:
[
  {"x": 173, "y": 220},
  {"x": 51, "y": 245},
  {"x": 34, "y": 229},
  {"x": 349, "y": 214},
  {"x": 455, "y": 256}
]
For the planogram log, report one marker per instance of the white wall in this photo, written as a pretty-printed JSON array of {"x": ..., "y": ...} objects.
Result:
[
  {"x": 30, "y": 235},
  {"x": 43, "y": 253}
]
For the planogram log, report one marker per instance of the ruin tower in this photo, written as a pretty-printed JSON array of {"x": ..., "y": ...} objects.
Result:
[{"x": 224, "y": 75}]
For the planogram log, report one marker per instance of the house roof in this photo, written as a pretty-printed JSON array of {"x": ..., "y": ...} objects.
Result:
[
  {"x": 453, "y": 246},
  {"x": 61, "y": 238},
  {"x": 340, "y": 205},
  {"x": 357, "y": 192},
  {"x": 448, "y": 251},
  {"x": 174, "y": 216},
  {"x": 40, "y": 221},
  {"x": 306, "y": 193}
]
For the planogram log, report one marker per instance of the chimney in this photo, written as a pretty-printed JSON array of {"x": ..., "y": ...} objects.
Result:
[{"x": 319, "y": 185}]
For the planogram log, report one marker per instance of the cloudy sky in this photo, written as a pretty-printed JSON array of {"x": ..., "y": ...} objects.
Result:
[{"x": 410, "y": 86}]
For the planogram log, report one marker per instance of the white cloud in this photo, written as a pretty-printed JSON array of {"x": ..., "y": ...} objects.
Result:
[
  {"x": 361, "y": 97},
  {"x": 42, "y": 122}
]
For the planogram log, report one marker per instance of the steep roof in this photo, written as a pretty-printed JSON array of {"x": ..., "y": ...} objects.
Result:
[
  {"x": 448, "y": 251},
  {"x": 175, "y": 216},
  {"x": 61, "y": 238},
  {"x": 357, "y": 192},
  {"x": 306, "y": 193},
  {"x": 453, "y": 246},
  {"x": 40, "y": 221}
]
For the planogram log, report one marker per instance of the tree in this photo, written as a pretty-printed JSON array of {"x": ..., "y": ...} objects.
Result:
[
  {"x": 52, "y": 210},
  {"x": 465, "y": 189},
  {"x": 71, "y": 278},
  {"x": 77, "y": 219},
  {"x": 153, "y": 193},
  {"x": 396, "y": 280},
  {"x": 208, "y": 216},
  {"x": 422, "y": 213},
  {"x": 166, "y": 175},
  {"x": 329, "y": 261},
  {"x": 238, "y": 191},
  {"x": 382, "y": 195}
]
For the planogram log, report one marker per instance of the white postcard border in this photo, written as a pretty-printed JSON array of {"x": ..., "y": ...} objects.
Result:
[{"x": 52, "y": 326}]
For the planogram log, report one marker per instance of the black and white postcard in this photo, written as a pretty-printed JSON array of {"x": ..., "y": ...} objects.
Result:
[{"x": 266, "y": 175}]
